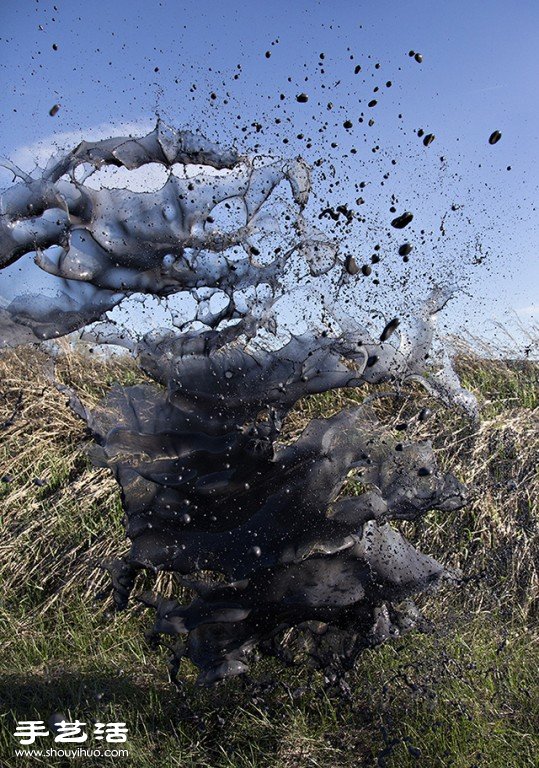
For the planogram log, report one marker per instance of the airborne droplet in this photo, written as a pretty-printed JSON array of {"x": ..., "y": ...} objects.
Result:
[
  {"x": 405, "y": 249},
  {"x": 424, "y": 414},
  {"x": 429, "y": 138},
  {"x": 418, "y": 57},
  {"x": 494, "y": 137},
  {"x": 302, "y": 98},
  {"x": 403, "y": 220},
  {"x": 54, "y": 110},
  {"x": 351, "y": 265},
  {"x": 390, "y": 327}
]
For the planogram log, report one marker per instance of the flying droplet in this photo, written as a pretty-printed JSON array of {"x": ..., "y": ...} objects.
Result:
[
  {"x": 429, "y": 138},
  {"x": 418, "y": 57},
  {"x": 403, "y": 220},
  {"x": 424, "y": 414},
  {"x": 424, "y": 472},
  {"x": 405, "y": 249},
  {"x": 347, "y": 124},
  {"x": 494, "y": 137},
  {"x": 351, "y": 265},
  {"x": 372, "y": 103},
  {"x": 390, "y": 327},
  {"x": 256, "y": 551},
  {"x": 302, "y": 98},
  {"x": 366, "y": 269},
  {"x": 54, "y": 110}
]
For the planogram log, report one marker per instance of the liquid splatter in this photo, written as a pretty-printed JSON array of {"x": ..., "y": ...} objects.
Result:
[{"x": 208, "y": 482}]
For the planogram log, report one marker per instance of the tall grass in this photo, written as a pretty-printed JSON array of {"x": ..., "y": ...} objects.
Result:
[{"x": 461, "y": 692}]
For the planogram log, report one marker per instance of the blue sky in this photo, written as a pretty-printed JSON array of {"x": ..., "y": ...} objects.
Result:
[{"x": 123, "y": 62}]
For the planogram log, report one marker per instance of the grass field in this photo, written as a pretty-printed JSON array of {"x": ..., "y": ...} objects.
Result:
[{"x": 461, "y": 692}]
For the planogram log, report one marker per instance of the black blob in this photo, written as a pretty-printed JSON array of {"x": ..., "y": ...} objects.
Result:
[
  {"x": 351, "y": 265},
  {"x": 389, "y": 329},
  {"x": 424, "y": 414},
  {"x": 403, "y": 220}
]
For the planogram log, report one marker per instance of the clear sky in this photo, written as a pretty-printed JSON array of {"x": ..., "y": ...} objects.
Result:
[{"x": 234, "y": 69}]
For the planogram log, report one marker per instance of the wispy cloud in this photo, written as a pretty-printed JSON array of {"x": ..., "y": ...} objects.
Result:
[
  {"x": 38, "y": 154},
  {"x": 487, "y": 89},
  {"x": 530, "y": 311},
  {"x": 30, "y": 157}
]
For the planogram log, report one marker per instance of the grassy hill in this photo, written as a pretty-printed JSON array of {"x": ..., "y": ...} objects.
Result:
[{"x": 461, "y": 692}]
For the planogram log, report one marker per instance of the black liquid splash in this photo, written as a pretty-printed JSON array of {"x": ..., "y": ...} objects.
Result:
[{"x": 208, "y": 483}]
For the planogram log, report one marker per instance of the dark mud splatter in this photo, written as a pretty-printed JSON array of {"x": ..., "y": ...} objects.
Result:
[{"x": 261, "y": 530}]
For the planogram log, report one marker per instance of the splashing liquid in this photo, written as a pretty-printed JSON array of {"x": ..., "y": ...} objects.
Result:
[{"x": 208, "y": 484}]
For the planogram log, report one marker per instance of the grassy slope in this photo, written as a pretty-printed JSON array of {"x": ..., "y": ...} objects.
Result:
[{"x": 461, "y": 693}]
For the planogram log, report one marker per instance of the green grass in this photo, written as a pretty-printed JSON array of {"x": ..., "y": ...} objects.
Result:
[{"x": 462, "y": 692}]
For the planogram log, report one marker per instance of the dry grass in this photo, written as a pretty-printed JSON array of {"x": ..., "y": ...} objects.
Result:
[{"x": 60, "y": 517}]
